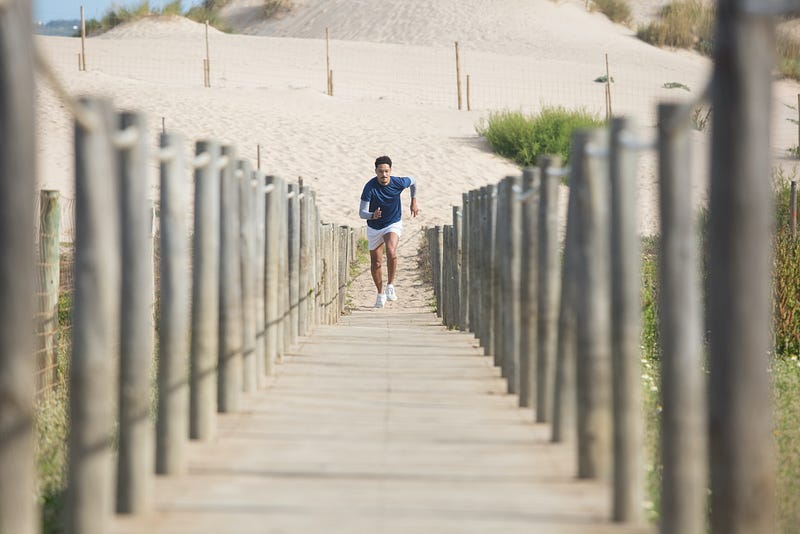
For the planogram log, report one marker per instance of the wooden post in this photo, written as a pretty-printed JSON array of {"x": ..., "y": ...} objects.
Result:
[
  {"x": 136, "y": 440},
  {"x": 258, "y": 157},
  {"x": 549, "y": 284},
  {"x": 293, "y": 254},
  {"x": 257, "y": 183},
  {"x": 458, "y": 76},
  {"x": 49, "y": 275},
  {"x": 683, "y": 419},
  {"x": 742, "y": 455},
  {"x": 272, "y": 280},
  {"x": 626, "y": 331},
  {"x": 285, "y": 303},
  {"x": 328, "y": 60},
  {"x": 489, "y": 267},
  {"x": 456, "y": 268},
  {"x": 510, "y": 263},
  {"x": 95, "y": 313},
  {"x": 609, "y": 111},
  {"x": 464, "y": 242},
  {"x": 793, "y": 208},
  {"x": 798, "y": 121},
  {"x": 564, "y": 391},
  {"x": 229, "y": 366},
  {"x": 469, "y": 98},
  {"x": 247, "y": 259},
  {"x": 528, "y": 288},
  {"x": 438, "y": 270},
  {"x": 18, "y": 511},
  {"x": 208, "y": 60},
  {"x": 498, "y": 280},
  {"x": 595, "y": 422},
  {"x": 205, "y": 294},
  {"x": 304, "y": 282},
  {"x": 172, "y": 428},
  {"x": 83, "y": 40},
  {"x": 163, "y": 125},
  {"x": 474, "y": 255}
]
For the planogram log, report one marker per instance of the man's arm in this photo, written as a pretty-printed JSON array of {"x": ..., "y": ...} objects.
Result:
[
  {"x": 364, "y": 212},
  {"x": 413, "y": 190}
]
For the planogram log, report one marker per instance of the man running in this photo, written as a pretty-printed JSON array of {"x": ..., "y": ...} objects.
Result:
[{"x": 380, "y": 205}]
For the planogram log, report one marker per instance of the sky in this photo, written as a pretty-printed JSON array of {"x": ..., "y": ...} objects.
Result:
[{"x": 46, "y": 10}]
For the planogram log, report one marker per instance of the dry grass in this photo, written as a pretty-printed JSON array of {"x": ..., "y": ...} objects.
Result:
[
  {"x": 682, "y": 24},
  {"x": 617, "y": 10}
]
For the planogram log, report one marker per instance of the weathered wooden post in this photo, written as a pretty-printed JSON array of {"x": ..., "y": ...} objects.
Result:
[
  {"x": 489, "y": 267},
  {"x": 474, "y": 255},
  {"x": 793, "y": 208},
  {"x": 344, "y": 263},
  {"x": 499, "y": 258},
  {"x": 549, "y": 284},
  {"x": 456, "y": 269},
  {"x": 247, "y": 262},
  {"x": 95, "y": 320},
  {"x": 625, "y": 329},
  {"x": 293, "y": 255},
  {"x": 595, "y": 414},
  {"x": 458, "y": 76},
  {"x": 18, "y": 512},
  {"x": 464, "y": 242},
  {"x": 511, "y": 273},
  {"x": 304, "y": 323},
  {"x": 740, "y": 224},
  {"x": 172, "y": 426},
  {"x": 528, "y": 287},
  {"x": 229, "y": 368},
  {"x": 438, "y": 242},
  {"x": 447, "y": 275},
  {"x": 272, "y": 270},
  {"x": 259, "y": 195},
  {"x": 136, "y": 442},
  {"x": 49, "y": 276},
  {"x": 564, "y": 393},
  {"x": 683, "y": 419},
  {"x": 205, "y": 293}
]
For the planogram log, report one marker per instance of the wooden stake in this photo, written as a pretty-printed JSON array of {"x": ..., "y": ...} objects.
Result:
[
  {"x": 458, "y": 76},
  {"x": 83, "y": 40},
  {"x": 258, "y": 157},
  {"x": 609, "y": 111},
  {"x": 328, "y": 60},
  {"x": 793, "y": 209},
  {"x": 469, "y": 104},
  {"x": 208, "y": 60}
]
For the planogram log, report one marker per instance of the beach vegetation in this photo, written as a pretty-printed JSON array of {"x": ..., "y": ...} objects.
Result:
[
  {"x": 523, "y": 138},
  {"x": 618, "y": 11},
  {"x": 274, "y": 8},
  {"x": 682, "y": 24},
  {"x": 788, "y": 53}
]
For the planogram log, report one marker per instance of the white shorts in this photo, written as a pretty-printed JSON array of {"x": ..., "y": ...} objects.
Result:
[{"x": 375, "y": 237}]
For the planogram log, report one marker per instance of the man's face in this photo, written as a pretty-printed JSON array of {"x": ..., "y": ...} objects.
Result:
[{"x": 383, "y": 172}]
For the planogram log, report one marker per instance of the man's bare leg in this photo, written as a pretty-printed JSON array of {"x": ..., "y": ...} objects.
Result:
[
  {"x": 391, "y": 239},
  {"x": 375, "y": 258}
]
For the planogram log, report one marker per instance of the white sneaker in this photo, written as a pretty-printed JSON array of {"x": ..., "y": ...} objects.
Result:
[
  {"x": 381, "y": 300},
  {"x": 390, "y": 294}
]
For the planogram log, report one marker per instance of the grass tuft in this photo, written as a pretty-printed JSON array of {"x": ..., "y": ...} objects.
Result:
[
  {"x": 616, "y": 10},
  {"x": 524, "y": 138},
  {"x": 682, "y": 24}
]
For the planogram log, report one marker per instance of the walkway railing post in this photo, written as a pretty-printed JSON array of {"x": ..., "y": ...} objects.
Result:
[
  {"x": 511, "y": 273},
  {"x": 474, "y": 270},
  {"x": 272, "y": 255},
  {"x": 304, "y": 280},
  {"x": 549, "y": 284},
  {"x": 438, "y": 246},
  {"x": 259, "y": 197},
  {"x": 17, "y": 182},
  {"x": 172, "y": 426},
  {"x": 528, "y": 287},
  {"x": 464, "y": 241},
  {"x": 742, "y": 455},
  {"x": 136, "y": 441},
  {"x": 626, "y": 331},
  {"x": 565, "y": 426},
  {"x": 205, "y": 294},
  {"x": 229, "y": 369},
  {"x": 95, "y": 313},
  {"x": 457, "y": 268},
  {"x": 293, "y": 254},
  {"x": 683, "y": 419},
  {"x": 595, "y": 417},
  {"x": 247, "y": 259},
  {"x": 490, "y": 222},
  {"x": 499, "y": 276}
]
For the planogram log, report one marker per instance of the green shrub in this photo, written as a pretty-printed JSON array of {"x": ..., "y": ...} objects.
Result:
[
  {"x": 788, "y": 54},
  {"x": 786, "y": 390},
  {"x": 786, "y": 281},
  {"x": 682, "y": 24},
  {"x": 523, "y": 138},
  {"x": 616, "y": 10}
]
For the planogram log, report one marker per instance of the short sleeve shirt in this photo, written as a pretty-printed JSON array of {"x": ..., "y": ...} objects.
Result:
[{"x": 387, "y": 198}]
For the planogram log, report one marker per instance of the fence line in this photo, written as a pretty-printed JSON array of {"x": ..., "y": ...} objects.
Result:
[{"x": 591, "y": 389}]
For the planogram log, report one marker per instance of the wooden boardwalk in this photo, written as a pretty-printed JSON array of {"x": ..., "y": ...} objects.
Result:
[{"x": 384, "y": 423}]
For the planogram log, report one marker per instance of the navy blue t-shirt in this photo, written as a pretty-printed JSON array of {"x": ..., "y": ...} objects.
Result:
[{"x": 387, "y": 198}]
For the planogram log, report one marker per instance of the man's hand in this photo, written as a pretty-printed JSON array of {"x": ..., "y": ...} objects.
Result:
[
  {"x": 376, "y": 214},
  {"x": 414, "y": 209}
]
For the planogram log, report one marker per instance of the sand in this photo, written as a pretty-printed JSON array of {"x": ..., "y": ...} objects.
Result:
[{"x": 395, "y": 93}]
